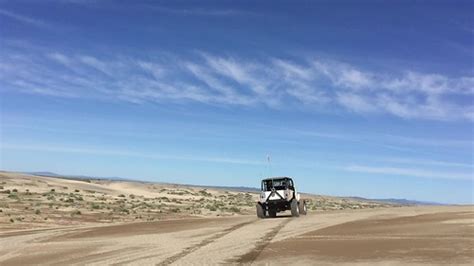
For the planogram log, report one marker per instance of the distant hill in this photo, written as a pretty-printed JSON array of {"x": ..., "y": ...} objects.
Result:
[
  {"x": 80, "y": 177},
  {"x": 240, "y": 189},
  {"x": 408, "y": 202},
  {"x": 400, "y": 201},
  {"x": 50, "y": 174}
]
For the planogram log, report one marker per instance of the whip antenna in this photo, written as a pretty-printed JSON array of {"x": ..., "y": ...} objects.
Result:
[{"x": 269, "y": 165}]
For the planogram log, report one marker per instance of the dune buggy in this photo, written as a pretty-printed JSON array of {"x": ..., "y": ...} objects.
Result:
[{"x": 279, "y": 194}]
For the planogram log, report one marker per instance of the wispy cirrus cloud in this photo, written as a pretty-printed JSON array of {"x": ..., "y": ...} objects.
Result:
[
  {"x": 127, "y": 153},
  {"x": 226, "y": 80},
  {"x": 425, "y": 162},
  {"x": 25, "y": 19},
  {"x": 409, "y": 172},
  {"x": 223, "y": 12}
]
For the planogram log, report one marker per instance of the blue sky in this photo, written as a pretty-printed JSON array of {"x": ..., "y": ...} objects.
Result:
[{"x": 366, "y": 99}]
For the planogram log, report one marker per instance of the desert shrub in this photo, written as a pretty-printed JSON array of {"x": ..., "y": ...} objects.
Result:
[
  {"x": 76, "y": 190},
  {"x": 77, "y": 212},
  {"x": 179, "y": 192},
  {"x": 12, "y": 221},
  {"x": 70, "y": 200},
  {"x": 123, "y": 210},
  {"x": 234, "y": 209},
  {"x": 131, "y": 196},
  {"x": 13, "y": 196},
  {"x": 95, "y": 206},
  {"x": 37, "y": 212},
  {"x": 175, "y": 210},
  {"x": 211, "y": 207},
  {"x": 53, "y": 190},
  {"x": 121, "y": 196},
  {"x": 1, "y": 187},
  {"x": 15, "y": 190},
  {"x": 50, "y": 197},
  {"x": 205, "y": 193}
]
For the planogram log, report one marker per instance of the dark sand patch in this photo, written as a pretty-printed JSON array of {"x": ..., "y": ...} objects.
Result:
[{"x": 424, "y": 238}]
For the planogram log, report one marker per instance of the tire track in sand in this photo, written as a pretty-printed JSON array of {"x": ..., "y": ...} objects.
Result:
[
  {"x": 193, "y": 248},
  {"x": 252, "y": 255},
  {"x": 203, "y": 243}
]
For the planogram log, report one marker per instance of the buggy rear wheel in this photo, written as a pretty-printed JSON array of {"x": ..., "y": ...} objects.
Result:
[
  {"x": 302, "y": 207},
  {"x": 295, "y": 212},
  {"x": 260, "y": 211}
]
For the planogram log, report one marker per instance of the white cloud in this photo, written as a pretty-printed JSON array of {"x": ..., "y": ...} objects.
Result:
[
  {"x": 217, "y": 80},
  {"x": 410, "y": 172},
  {"x": 127, "y": 153},
  {"x": 291, "y": 70},
  {"x": 225, "y": 92},
  {"x": 25, "y": 19},
  {"x": 156, "y": 70},
  {"x": 429, "y": 142},
  {"x": 200, "y": 11},
  {"x": 95, "y": 63},
  {"x": 418, "y": 161},
  {"x": 242, "y": 73},
  {"x": 343, "y": 75},
  {"x": 355, "y": 102},
  {"x": 60, "y": 58}
]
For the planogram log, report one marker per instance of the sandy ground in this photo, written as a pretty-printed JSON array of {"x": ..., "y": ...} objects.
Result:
[{"x": 387, "y": 236}]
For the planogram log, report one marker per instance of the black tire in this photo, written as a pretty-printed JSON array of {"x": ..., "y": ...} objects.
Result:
[
  {"x": 294, "y": 208},
  {"x": 272, "y": 213},
  {"x": 260, "y": 211},
  {"x": 302, "y": 207}
]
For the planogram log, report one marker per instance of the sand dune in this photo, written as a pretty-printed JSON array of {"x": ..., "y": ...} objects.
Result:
[{"x": 29, "y": 201}]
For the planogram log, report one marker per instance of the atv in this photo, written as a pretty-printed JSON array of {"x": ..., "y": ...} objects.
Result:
[{"x": 278, "y": 195}]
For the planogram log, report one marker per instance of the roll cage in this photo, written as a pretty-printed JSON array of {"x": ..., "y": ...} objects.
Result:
[{"x": 278, "y": 183}]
